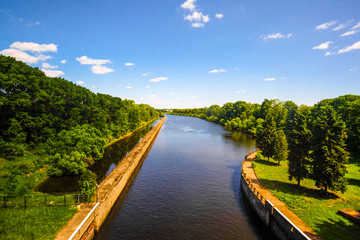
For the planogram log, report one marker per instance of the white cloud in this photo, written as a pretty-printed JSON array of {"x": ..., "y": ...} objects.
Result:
[
  {"x": 194, "y": 97},
  {"x": 205, "y": 18},
  {"x": 171, "y": 93},
  {"x": 356, "y": 26},
  {"x": 276, "y": 36},
  {"x": 270, "y": 79},
  {"x": 52, "y": 73},
  {"x": 84, "y": 60},
  {"x": 218, "y": 71},
  {"x": 158, "y": 79},
  {"x": 22, "y": 56},
  {"x": 325, "y": 25},
  {"x": 197, "y": 24},
  {"x": 98, "y": 69},
  {"x": 129, "y": 87},
  {"x": 341, "y": 26},
  {"x": 324, "y": 45},
  {"x": 189, "y": 4},
  {"x": 129, "y": 64},
  {"x": 241, "y": 91},
  {"x": 48, "y": 66},
  {"x": 145, "y": 74},
  {"x": 80, "y": 82},
  {"x": 63, "y": 61},
  {"x": 34, "y": 47},
  {"x": 355, "y": 46},
  {"x": 348, "y": 33},
  {"x": 328, "y": 54},
  {"x": 30, "y": 24},
  {"x": 219, "y": 15},
  {"x": 93, "y": 87},
  {"x": 197, "y": 18}
]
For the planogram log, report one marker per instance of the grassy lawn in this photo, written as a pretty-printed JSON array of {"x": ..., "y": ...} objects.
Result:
[
  {"x": 310, "y": 204},
  {"x": 42, "y": 222}
]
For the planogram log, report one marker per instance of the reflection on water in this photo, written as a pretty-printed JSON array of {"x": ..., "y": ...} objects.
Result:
[
  {"x": 113, "y": 154},
  {"x": 187, "y": 188}
]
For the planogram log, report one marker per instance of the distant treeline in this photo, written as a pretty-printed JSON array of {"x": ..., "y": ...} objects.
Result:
[
  {"x": 53, "y": 116},
  {"x": 316, "y": 140},
  {"x": 249, "y": 117}
]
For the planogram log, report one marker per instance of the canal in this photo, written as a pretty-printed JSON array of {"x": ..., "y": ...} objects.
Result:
[{"x": 187, "y": 188}]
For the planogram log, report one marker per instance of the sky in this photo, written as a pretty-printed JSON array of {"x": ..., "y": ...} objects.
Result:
[{"x": 191, "y": 53}]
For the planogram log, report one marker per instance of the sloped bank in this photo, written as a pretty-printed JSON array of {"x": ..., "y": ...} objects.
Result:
[
  {"x": 272, "y": 212},
  {"x": 113, "y": 186}
]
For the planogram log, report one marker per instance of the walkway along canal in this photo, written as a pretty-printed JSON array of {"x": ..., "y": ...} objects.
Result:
[{"x": 188, "y": 187}]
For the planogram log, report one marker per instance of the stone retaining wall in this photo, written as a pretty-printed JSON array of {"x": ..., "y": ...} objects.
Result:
[{"x": 279, "y": 224}]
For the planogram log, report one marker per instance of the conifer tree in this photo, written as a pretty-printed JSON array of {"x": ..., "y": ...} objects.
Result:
[
  {"x": 266, "y": 136},
  {"x": 299, "y": 144},
  {"x": 329, "y": 154},
  {"x": 280, "y": 147}
]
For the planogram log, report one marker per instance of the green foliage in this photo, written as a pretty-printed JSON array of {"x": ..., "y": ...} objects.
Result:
[
  {"x": 266, "y": 137},
  {"x": 52, "y": 115},
  {"x": 87, "y": 185},
  {"x": 14, "y": 184},
  {"x": 299, "y": 136},
  {"x": 328, "y": 149},
  {"x": 280, "y": 147}
]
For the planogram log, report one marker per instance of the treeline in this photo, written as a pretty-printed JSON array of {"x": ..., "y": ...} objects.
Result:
[
  {"x": 316, "y": 140},
  {"x": 53, "y": 116}
]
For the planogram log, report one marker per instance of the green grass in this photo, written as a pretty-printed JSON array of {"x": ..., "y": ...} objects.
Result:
[
  {"x": 314, "y": 207},
  {"x": 41, "y": 222}
]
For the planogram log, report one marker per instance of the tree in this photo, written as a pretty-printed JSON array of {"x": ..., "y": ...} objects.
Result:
[
  {"x": 299, "y": 144},
  {"x": 328, "y": 152},
  {"x": 87, "y": 185},
  {"x": 266, "y": 136},
  {"x": 280, "y": 147}
]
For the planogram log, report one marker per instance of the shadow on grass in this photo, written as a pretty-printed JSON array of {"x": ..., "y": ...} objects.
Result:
[
  {"x": 294, "y": 189},
  {"x": 333, "y": 230},
  {"x": 355, "y": 182},
  {"x": 266, "y": 162}
]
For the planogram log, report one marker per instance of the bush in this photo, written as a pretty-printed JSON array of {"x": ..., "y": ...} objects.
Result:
[{"x": 87, "y": 185}]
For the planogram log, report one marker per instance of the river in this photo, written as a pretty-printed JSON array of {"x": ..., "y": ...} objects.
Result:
[{"x": 187, "y": 188}]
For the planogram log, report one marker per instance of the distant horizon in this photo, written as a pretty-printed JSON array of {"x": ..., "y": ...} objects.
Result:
[{"x": 191, "y": 53}]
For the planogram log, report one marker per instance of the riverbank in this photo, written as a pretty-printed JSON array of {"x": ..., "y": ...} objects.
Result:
[
  {"x": 109, "y": 190},
  {"x": 283, "y": 222},
  {"x": 114, "y": 140},
  {"x": 308, "y": 202}
]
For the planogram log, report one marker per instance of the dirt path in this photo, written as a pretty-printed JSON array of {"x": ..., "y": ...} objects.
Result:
[{"x": 250, "y": 174}]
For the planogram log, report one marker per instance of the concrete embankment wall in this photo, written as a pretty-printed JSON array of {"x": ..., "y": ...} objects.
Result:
[
  {"x": 278, "y": 223},
  {"x": 113, "y": 185}
]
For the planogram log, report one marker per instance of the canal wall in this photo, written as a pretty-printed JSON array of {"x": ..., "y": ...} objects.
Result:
[
  {"x": 114, "y": 185},
  {"x": 280, "y": 220}
]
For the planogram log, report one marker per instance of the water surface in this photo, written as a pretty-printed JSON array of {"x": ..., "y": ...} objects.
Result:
[{"x": 187, "y": 188}]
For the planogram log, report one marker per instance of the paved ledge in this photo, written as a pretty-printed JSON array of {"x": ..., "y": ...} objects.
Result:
[{"x": 351, "y": 214}]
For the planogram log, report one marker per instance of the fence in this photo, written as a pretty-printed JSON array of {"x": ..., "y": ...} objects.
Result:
[{"x": 38, "y": 199}]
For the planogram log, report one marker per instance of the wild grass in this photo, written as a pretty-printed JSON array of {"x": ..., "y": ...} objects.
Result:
[
  {"x": 41, "y": 222},
  {"x": 317, "y": 209}
]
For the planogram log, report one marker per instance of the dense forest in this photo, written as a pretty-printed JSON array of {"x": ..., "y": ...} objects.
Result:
[
  {"x": 56, "y": 118},
  {"x": 315, "y": 140}
]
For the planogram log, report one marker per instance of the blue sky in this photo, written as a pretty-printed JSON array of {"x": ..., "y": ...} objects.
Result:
[{"x": 191, "y": 53}]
